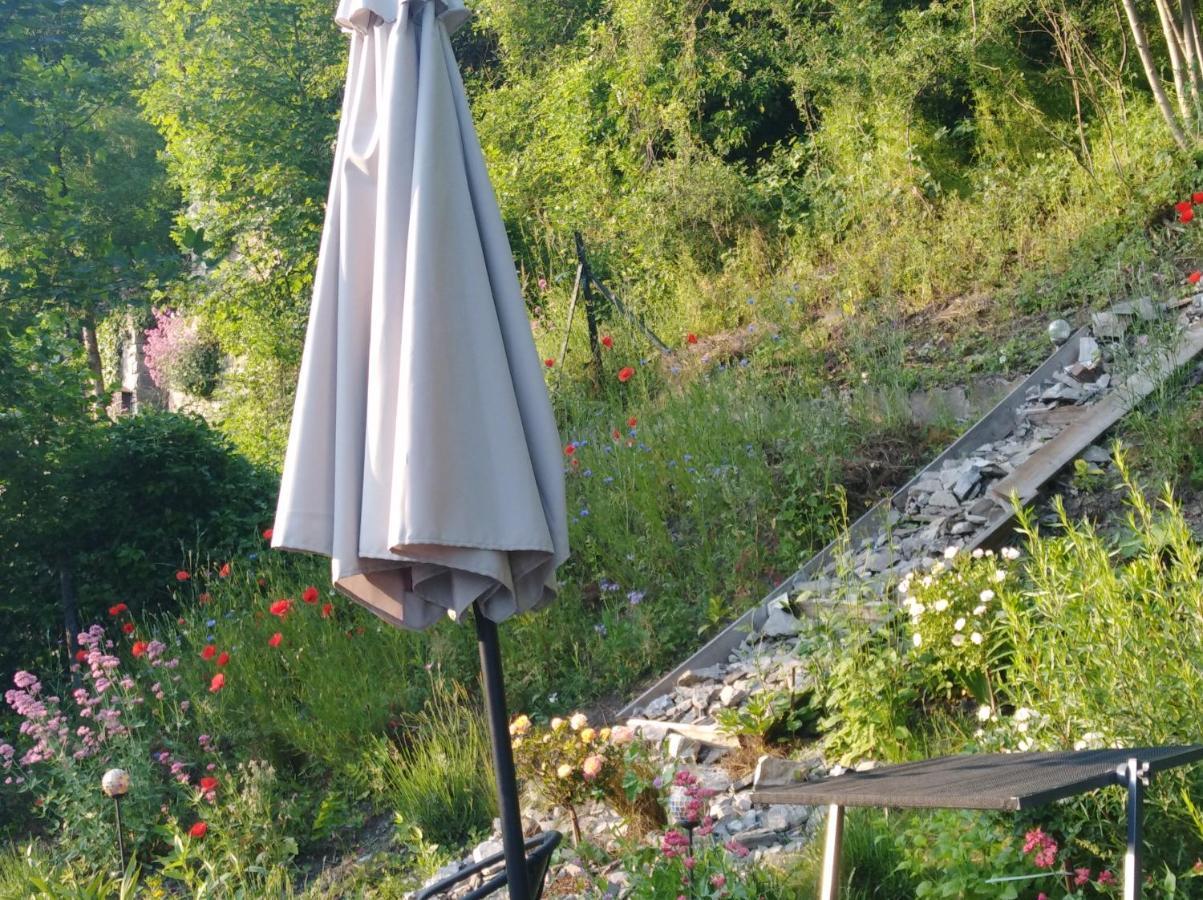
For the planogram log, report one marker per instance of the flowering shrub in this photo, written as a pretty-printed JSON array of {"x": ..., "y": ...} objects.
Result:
[
  {"x": 955, "y": 618},
  {"x": 109, "y": 721},
  {"x": 705, "y": 871},
  {"x": 568, "y": 762},
  {"x": 181, "y": 357}
]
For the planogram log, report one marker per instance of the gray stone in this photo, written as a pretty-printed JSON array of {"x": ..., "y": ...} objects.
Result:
[
  {"x": 780, "y": 624},
  {"x": 757, "y": 837},
  {"x": 659, "y": 706},
  {"x": 1107, "y": 325},
  {"x": 962, "y": 528},
  {"x": 1089, "y": 353},
  {"x": 681, "y": 748},
  {"x": 772, "y": 771},
  {"x": 486, "y": 849},
  {"x": 690, "y": 677},
  {"x": 731, "y": 696},
  {"x": 968, "y": 480},
  {"x": 944, "y": 499},
  {"x": 785, "y": 817}
]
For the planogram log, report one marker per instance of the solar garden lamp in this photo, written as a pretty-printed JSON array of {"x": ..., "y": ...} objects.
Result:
[
  {"x": 115, "y": 784},
  {"x": 684, "y": 811}
]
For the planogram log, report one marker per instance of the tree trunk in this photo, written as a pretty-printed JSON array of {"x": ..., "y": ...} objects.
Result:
[
  {"x": 1173, "y": 42},
  {"x": 1150, "y": 67},
  {"x": 92, "y": 349},
  {"x": 69, "y": 604},
  {"x": 1190, "y": 40}
]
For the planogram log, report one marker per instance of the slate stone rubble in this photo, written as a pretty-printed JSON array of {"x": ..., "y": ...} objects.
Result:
[{"x": 951, "y": 505}]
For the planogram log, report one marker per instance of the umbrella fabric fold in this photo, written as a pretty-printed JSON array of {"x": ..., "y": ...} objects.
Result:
[{"x": 423, "y": 456}]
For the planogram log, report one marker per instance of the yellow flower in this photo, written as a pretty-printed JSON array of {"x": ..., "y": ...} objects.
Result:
[
  {"x": 564, "y": 770},
  {"x": 557, "y": 723},
  {"x": 578, "y": 721},
  {"x": 587, "y": 734},
  {"x": 520, "y": 726},
  {"x": 604, "y": 734}
]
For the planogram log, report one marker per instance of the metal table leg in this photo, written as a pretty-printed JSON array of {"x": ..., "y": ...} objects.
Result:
[
  {"x": 1135, "y": 776},
  {"x": 830, "y": 887}
]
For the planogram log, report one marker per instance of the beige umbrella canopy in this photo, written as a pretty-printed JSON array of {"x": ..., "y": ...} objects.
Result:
[{"x": 423, "y": 456}]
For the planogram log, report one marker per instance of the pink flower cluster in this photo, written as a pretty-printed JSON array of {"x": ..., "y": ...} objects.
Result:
[{"x": 1042, "y": 847}]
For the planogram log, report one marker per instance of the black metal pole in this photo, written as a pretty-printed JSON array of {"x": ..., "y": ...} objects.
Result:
[
  {"x": 503, "y": 758},
  {"x": 120, "y": 839}
]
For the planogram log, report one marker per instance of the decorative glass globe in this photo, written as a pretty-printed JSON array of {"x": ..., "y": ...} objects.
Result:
[
  {"x": 678, "y": 806},
  {"x": 115, "y": 783},
  {"x": 1059, "y": 331}
]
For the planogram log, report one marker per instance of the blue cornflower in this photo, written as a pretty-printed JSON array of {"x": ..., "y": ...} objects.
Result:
[
  {"x": 635, "y": 598},
  {"x": 584, "y": 513},
  {"x": 588, "y": 473},
  {"x": 600, "y": 629},
  {"x": 609, "y": 479}
]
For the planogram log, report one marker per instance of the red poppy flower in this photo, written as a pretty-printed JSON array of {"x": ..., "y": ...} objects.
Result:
[
  {"x": 1182, "y": 205},
  {"x": 569, "y": 449},
  {"x": 274, "y": 640},
  {"x": 608, "y": 342},
  {"x": 1197, "y": 197},
  {"x": 180, "y": 620},
  {"x": 616, "y": 434},
  {"x": 310, "y": 594},
  {"x": 632, "y": 422},
  {"x": 223, "y": 658},
  {"x": 209, "y": 652},
  {"x": 267, "y": 534},
  {"x": 217, "y": 682},
  {"x": 280, "y": 608},
  {"x": 1194, "y": 276},
  {"x": 198, "y": 830},
  {"x": 549, "y": 362},
  {"x": 81, "y": 655},
  {"x": 691, "y": 338},
  {"x": 205, "y": 597},
  {"x": 327, "y": 609},
  {"x": 139, "y": 648},
  {"x": 1186, "y": 215},
  {"x": 181, "y": 575},
  {"x": 575, "y": 463},
  {"x": 118, "y": 609},
  {"x": 208, "y": 783},
  {"x": 224, "y": 571},
  {"x": 625, "y": 374},
  {"x": 128, "y": 627}
]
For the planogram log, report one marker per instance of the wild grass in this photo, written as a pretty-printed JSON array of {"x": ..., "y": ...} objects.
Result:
[{"x": 437, "y": 772}]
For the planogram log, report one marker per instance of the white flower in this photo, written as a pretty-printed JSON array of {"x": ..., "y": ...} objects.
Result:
[
  {"x": 958, "y": 640},
  {"x": 940, "y": 605},
  {"x": 937, "y": 567},
  {"x": 986, "y": 596},
  {"x": 1025, "y": 745},
  {"x": 917, "y": 609},
  {"x": 984, "y": 713},
  {"x": 917, "y": 639},
  {"x": 950, "y": 552},
  {"x": 989, "y": 553},
  {"x": 925, "y": 581},
  {"x": 904, "y": 587},
  {"x": 976, "y": 637},
  {"x": 959, "y": 624},
  {"x": 1000, "y": 576},
  {"x": 1009, "y": 553},
  {"x": 1023, "y": 714},
  {"x": 1090, "y": 740},
  {"x": 978, "y": 553},
  {"x": 978, "y": 610}
]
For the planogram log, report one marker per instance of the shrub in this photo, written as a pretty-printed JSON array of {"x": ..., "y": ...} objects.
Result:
[{"x": 181, "y": 357}]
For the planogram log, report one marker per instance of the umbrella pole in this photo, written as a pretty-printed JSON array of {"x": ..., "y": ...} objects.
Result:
[{"x": 517, "y": 877}]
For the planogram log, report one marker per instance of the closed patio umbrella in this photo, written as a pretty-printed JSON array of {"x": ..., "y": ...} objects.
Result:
[{"x": 423, "y": 456}]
